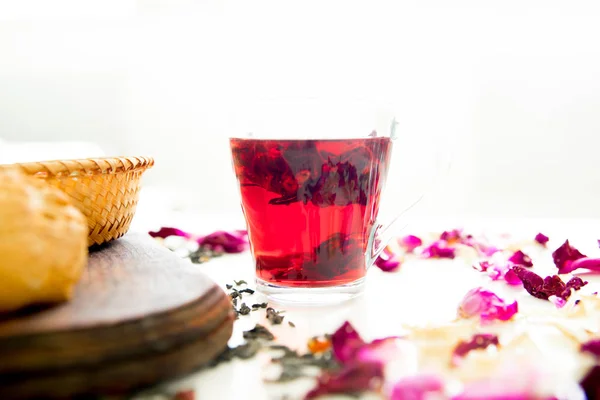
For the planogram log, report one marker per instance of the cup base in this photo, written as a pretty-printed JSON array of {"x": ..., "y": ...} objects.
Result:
[{"x": 311, "y": 296}]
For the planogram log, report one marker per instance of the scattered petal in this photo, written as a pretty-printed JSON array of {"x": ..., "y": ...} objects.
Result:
[
  {"x": 497, "y": 270},
  {"x": 388, "y": 261},
  {"x": 559, "y": 302},
  {"x": 439, "y": 249},
  {"x": 453, "y": 236},
  {"x": 410, "y": 243},
  {"x": 235, "y": 242},
  {"x": 564, "y": 256},
  {"x": 346, "y": 342},
  {"x": 353, "y": 378},
  {"x": 591, "y": 383},
  {"x": 417, "y": 387},
  {"x": 543, "y": 288},
  {"x": 542, "y": 239},
  {"x": 479, "y": 341},
  {"x": 512, "y": 278},
  {"x": 381, "y": 350},
  {"x": 165, "y": 232},
  {"x": 592, "y": 264},
  {"x": 592, "y": 347},
  {"x": 487, "y": 306},
  {"x": 520, "y": 258}
]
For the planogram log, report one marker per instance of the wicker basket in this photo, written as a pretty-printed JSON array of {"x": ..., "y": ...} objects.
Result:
[{"x": 106, "y": 190}]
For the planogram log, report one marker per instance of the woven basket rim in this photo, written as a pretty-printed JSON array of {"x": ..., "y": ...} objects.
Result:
[{"x": 86, "y": 166}]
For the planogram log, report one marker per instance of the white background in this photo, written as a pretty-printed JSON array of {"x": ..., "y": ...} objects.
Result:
[{"x": 511, "y": 89}]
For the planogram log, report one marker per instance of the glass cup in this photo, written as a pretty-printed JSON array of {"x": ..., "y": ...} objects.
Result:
[{"x": 311, "y": 180}]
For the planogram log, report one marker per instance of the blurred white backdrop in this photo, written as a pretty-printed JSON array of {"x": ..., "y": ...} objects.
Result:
[{"x": 512, "y": 88}]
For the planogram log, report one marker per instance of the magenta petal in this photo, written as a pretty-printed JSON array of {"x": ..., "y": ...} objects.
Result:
[
  {"x": 520, "y": 258},
  {"x": 564, "y": 255},
  {"x": 165, "y": 232},
  {"x": 480, "y": 341},
  {"x": 380, "y": 350},
  {"x": 451, "y": 236},
  {"x": 417, "y": 387},
  {"x": 225, "y": 241},
  {"x": 410, "y": 242},
  {"x": 346, "y": 342},
  {"x": 387, "y": 261},
  {"x": 541, "y": 239},
  {"x": 543, "y": 288},
  {"x": 591, "y": 383},
  {"x": 351, "y": 379},
  {"x": 592, "y": 264},
  {"x": 511, "y": 278},
  {"x": 559, "y": 302},
  {"x": 592, "y": 347},
  {"x": 439, "y": 249},
  {"x": 487, "y": 306}
]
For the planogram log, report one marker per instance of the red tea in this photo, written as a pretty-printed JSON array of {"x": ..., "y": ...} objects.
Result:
[{"x": 310, "y": 206}]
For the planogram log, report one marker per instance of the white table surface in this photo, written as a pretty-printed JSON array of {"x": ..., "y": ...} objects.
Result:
[{"x": 390, "y": 301}]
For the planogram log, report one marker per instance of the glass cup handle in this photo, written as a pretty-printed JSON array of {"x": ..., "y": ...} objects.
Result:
[{"x": 383, "y": 232}]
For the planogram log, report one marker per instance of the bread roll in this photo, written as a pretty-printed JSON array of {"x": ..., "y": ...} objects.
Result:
[{"x": 43, "y": 242}]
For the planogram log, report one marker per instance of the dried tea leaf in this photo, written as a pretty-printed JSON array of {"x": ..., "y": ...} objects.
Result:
[
  {"x": 290, "y": 323},
  {"x": 258, "y": 332},
  {"x": 249, "y": 291},
  {"x": 256, "y": 306},
  {"x": 228, "y": 286},
  {"x": 274, "y": 316},
  {"x": 240, "y": 282},
  {"x": 244, "y": 309}
]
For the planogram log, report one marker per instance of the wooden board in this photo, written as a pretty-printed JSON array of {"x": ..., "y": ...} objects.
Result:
[{"x": 140, "y": 315}]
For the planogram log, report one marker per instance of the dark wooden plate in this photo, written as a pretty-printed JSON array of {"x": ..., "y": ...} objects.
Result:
[{"x": 140, "y": 315}]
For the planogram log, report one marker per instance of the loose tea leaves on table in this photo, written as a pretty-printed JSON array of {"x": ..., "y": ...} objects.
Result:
[
  {"x": 258, "y": 332},
  {"x": 256, "y": 306},
  {"x": 240, "y": 282},
  {"x": 244, "y": 309},
  {"x": 274, "y": 316},
  {"x": 249, "y": 291},
  {"x": 290, "y": 323}
]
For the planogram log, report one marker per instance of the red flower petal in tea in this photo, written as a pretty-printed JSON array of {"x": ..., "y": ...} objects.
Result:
[
  {"x": 387, "y": 261},
  {"x": 480, "y": 341},
  {"x": 165, "y": 232},
  {"x": 591, "y": 383},
  {"x": 520, "y": 258},
  {"x": 418, "y": 387},
  {"x": 487, "y": 306},
  {"x": 228, "y": 242},
  {"x": 541, "y": 239},
  {"x": 353, "y": 378},
  {"x": 410, "y": 242},
  {"x": 439, "y": 249},
  {"x": 346, "y": 342},
  {"x": 564, "y": 256},
  {"x": 543, "y": 288},
  {"x": 592, "y": 347}
]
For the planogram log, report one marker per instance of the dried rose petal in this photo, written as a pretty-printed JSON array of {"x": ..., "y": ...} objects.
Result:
[
  {"x": 559, "y": 302},
  {"x": 351, "y": 379},
  {"x": 346, "y": 342},
  {"x": 387, "y": 261},
  {"x": 543, "y": 288},
  {"x": 511, "y": 278},
  {"x": 564, "y": 255},
  {"x": 591, "y": 383},
  {"x": 479, "y": 341},
  {"x": 592, "y": 347},
  {"x": 452, "y": 236},
  {"x": 541, "y": 239},
  {"x": 439, "y": 249},
  {"x": 498, "y": 270},
  {"x": 417, "y": 387},
  {"x": 487, "y": 305},
  {"x": 235, "y": 242},
  {"x": 165, "y": 232},
  {"x": 380, "y": 350},
  {"x": 410, "y": 243},
  {"x": 592, "y": 264},
  {"x": 520, "y": 258}
]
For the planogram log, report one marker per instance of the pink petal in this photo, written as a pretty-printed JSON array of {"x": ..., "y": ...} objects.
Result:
[
  {"x": 543, "y": 288},
  {"x": 592, "y": 264},
  {"x": 511, "y": 278},
  {"x": 559, "y": 302},
  {"x": 346, "y": 342},
  {"x": 454, "y": 235},
  {"x": 520, "y": 258},
  {"x": 439, "y": 249},
  {"x": 228, "y": 242},
  {"x": 165, "y": 232},
  {"x": 352, "y": 378},
  {"x": 417, "y": 387},
  {"x": 410, "y": 242},
  {"x": 541, "y": 239},
  {"x": 388, "y": 261},
  {"x": 564, "y": 255},
  {"x": 487, "y": 306},
  {"x": 592, "y": 347},
  {"x": 381, "y": 350}
]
